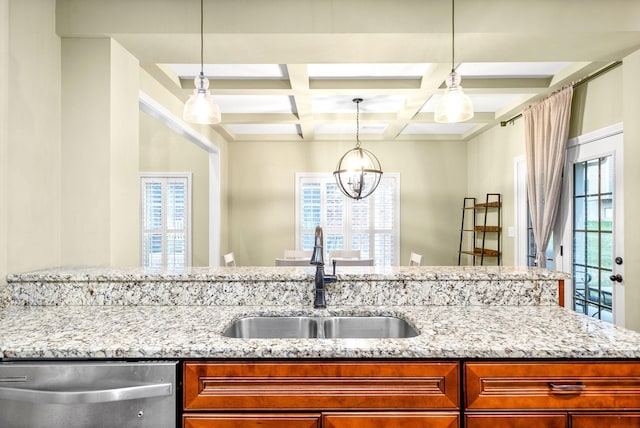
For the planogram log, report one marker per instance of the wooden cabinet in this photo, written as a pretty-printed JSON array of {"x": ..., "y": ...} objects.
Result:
[
  {"x": 255, "y": 420},
  {"x": 322, "y": 385},
  {"x": 580, "y": 394},
  {"x": 380, "y": 394},
  {"x": 612, "y": 420},
  {"x": 391, "y": 420},
  {"x": 519, "y": 420}
]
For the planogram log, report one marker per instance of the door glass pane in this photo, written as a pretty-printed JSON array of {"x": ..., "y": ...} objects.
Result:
[
  {"x": 593, "y": 238},
  {"x": 579, "y": 172},
  {"x": 593, "y": 177}
]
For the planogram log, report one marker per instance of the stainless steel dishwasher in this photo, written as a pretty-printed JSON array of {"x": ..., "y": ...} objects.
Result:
[{"x": 87, "y": 394}]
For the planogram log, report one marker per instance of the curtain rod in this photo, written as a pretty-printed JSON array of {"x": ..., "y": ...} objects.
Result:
[{"x": 575, "y": 85}]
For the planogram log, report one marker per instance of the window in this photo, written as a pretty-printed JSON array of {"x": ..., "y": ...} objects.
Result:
[
  {"x": 532, "y": 248},
  {"x": 371, "y": 225},
  {"x": 165, "y": 213}
]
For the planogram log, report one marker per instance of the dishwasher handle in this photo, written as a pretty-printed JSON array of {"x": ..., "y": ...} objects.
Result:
[{"x": 86, "y": 397}]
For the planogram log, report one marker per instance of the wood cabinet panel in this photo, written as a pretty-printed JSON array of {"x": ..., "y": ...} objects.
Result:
[
  {"x": 519, "y": 420},
  {"x": 321, "y": 385},
  {"x": 391, "y": 420},
  {"x": 552, "y": 385},
  {"x": 235, "y": 420},
  {"x": 609, "y": 420}
]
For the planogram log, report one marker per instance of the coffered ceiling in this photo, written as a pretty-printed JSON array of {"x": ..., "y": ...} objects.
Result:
[{"x": 287, "y": 70}]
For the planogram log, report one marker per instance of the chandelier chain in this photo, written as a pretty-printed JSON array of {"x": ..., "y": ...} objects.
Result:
[{"x": 357, "y": 124}]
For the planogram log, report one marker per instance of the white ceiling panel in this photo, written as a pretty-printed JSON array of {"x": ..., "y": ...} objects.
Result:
[
  {"x": 267, "y": 129},
  {"x": 254, "y": 103},
  {"x": 373, "y": 70},
  {"x": 349, "y": 128},
  {"x": 345, "y": 104}
]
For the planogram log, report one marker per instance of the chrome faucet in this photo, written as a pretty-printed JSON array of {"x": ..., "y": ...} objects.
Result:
[{"x": 317, "y": 258}]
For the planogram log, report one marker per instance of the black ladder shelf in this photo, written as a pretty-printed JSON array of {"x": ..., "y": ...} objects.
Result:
[{"x": 478, "y": 221}]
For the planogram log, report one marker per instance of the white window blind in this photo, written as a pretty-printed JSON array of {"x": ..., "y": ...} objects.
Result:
[
  {"x": 371, "y": 225},
  {"x": 165, "y": 226}
]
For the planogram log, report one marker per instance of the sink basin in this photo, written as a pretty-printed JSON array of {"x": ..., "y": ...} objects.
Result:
[
  {"x": 273, "y": 328},
  {"x": 331, "y": 327},
  {"x": 367, "y": 328}
]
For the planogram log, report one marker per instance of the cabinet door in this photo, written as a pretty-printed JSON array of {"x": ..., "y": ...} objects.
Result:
[
  {"x": 390, "y": 420},
  {"x": 321, "y": 385},
  {"x": 609, "y": 420},
  {"x": 234, "y": 420},
  {"x": 517, "y": 420},
  {"x": 552, "y": 385}
]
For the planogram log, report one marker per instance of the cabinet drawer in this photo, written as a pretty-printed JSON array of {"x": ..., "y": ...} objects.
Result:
[
  {"x": 624, "y": 420},
  {"x": 265, "y": 420},
  {"x": 391, "y": 420},
  {"x": 519, "y": 420},
  {"x": 556, "y": 385},
  {"x": 330, "y": 385}
]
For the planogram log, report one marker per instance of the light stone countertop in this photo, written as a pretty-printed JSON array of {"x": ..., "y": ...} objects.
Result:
[
  {"x": 81, "y": 332},
  {"x": 460, "y": 312}
]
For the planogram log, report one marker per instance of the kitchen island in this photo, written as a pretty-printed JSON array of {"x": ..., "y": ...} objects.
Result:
[
  {"x": 460, "y": 312},
  {"x": 494, "y": 347}
]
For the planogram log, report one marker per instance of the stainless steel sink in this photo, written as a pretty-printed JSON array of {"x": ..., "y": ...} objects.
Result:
[
  {"x": 330, "y": 327},
  {"x": 273, "y": 328},
  {"x": 367, "y": 328}
]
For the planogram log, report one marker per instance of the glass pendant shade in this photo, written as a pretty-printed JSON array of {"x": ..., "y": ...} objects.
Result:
[
  {"x": 358, "y": 173},
  {"x": 200, "y": 107},
  {"x": 455, "y": 105}
]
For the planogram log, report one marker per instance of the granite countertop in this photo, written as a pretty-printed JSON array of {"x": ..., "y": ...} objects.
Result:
[
  {"x": 195, "y": 332},
  {"x": 460, "y": 312}
]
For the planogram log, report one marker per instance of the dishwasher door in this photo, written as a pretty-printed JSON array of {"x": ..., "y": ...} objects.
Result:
[{"x": 88, "y": 394}]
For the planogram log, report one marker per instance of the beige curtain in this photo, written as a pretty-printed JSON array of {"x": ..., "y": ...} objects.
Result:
[{"x": 546, "y": 129}]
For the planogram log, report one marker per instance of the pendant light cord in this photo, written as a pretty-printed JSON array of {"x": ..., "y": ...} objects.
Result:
[
  {"x": 453, "y": 32},
  {"x": 202, "y": 37}
]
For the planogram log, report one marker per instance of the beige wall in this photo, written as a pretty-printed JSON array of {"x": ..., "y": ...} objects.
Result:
[
  {"x": 31, "y": 151},
  {"x": 490, "y": 159},
  {"x": 597, "y": 104},
  {"x": 631, "y": 108},
  {"x": 162, "y": 150},
  {"x": 99, "y": 153},
  {"x": 4, "y": 145},
  {"x": 262, "y": 182}
]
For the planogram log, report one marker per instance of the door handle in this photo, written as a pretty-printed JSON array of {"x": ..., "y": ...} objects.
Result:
[
  {"x": 569, "y": 389},
  {"x": 616, "y": 278},
  {"x": 83, "y": 397}
]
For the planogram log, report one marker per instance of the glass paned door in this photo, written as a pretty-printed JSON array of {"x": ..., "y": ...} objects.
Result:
[
  {"x": 593, "y": 228},
  {"x": 593, "y": 237}
]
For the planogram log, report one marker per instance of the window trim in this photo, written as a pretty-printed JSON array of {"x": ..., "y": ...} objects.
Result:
[
  {"x": 299, "y": 176},
  {"x": 148, "y": 176}
]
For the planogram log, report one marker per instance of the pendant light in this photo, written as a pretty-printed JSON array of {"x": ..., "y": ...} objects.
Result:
[
  {"x": 455, "y": 105},
  {"x": 358, "y": 172},
  {"x": 200, "y": 107}
]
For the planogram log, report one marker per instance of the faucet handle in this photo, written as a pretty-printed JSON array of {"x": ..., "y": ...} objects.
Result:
[{"x": 317, "y": 258}]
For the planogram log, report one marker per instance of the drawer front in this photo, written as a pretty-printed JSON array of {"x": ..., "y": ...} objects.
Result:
[
  {"x": 400, "y": 385},
  {"x": 625, "y": 420},
  {"x": 516, "y": 420},
  {"x": 391, "y": 420},
  {"x": 540, "y": 385},
  {"x": 231, "y": 420}
]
